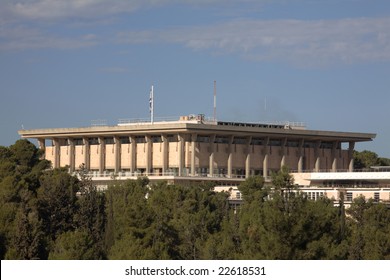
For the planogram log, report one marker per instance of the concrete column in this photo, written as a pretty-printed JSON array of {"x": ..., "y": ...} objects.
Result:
[
  {"x": 165, "y": 148},
  {"x": 317, "y": 165},
  {"x": 350, "y": 156},
  {"x": 248, "y": 157},
  {"x": 117, "y": 154},
  {"x": 148, "y": 152},
  {"x": 101, "y": 155},
  {"x": 211, "y": 156},
  {"x": 133, "y": 154},
  {"x": 41, "y": 143},
  {"x": 71, "y": 155},
  {"x": 181, "y": 154},
  {"x": 57, "y": 155},
  {"x": 42, "y": 147},
  {"x": 283, "y": 153},
  {"x": 334, "y": 156},
  {"x": 230, "y": 157},
  {"x": 87, "y": 161},
  {"x": 193, "y": 151},
  {"x": 301, "y": 155},
  {"x": 265, "y": 161}
]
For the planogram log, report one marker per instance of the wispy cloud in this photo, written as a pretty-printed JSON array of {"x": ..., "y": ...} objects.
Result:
[
  {"x": 22, "y": 38},
  {"x": 59, "y": 9},
  {"x": 29, "y": 24},
  {"x": 297, "y": 41}
]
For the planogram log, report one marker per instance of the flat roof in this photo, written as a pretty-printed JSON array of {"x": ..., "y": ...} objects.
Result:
[{"x": 201, "y": 128}]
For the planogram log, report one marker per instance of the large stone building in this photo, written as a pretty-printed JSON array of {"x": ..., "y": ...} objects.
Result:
[{"x": 193, "y": 148}]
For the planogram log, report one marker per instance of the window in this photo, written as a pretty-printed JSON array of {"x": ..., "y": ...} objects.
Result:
[
  {"x": 292, "y": 144},
  {"x": 326, "y": 145},
  {"x": 124, "y": 140},
  {"x": 78, "y": 141},
  {"x": 277, "y": 143},
  {"x": 257, "y": 141},
  {"x": 108, "y": 140},
  {"x": 309, "y": 145},
  {"x": 203, "y": 139},
  {"x": 221, "y": 140},
  {"x": 156, "y": 139},
  {"x": 349, "y": 196},
  {"x": 172, "y": 138},
  {"x": 238, "y": 140},
  {"x": 140, "y": 139},
  {"x": 376, "y": 197},
  {"x": 63, "y": 142},
  {"x": 93, "y": 141}
]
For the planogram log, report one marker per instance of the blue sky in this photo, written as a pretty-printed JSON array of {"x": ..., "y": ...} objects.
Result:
[{"x": 322, "y": 62}]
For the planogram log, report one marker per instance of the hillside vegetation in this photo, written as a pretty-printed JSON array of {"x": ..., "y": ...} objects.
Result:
[{"x": 49, "y": 214}]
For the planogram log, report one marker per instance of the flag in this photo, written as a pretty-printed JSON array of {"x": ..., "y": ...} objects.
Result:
[{"x": 151, "y": 99}]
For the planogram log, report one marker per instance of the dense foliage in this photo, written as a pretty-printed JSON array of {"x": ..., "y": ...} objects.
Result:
[
  {"x": 49, "y": 214},
  {"x": 367, "y": 159}
]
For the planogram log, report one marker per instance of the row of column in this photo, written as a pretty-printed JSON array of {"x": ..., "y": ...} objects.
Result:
[{"x": 193, "y": 139}]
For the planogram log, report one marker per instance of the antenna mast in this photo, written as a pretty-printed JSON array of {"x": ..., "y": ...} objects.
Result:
[{"x": 215, "y": 101}]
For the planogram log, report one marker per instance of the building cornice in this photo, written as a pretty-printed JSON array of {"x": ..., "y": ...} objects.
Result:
[{"x": 198, "y": 128}]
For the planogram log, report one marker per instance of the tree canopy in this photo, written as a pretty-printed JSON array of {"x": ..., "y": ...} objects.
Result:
[{"x": 48, "y": 214}]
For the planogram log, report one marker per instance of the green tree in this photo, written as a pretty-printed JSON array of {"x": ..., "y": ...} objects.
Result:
[
  {"x": 253, "y": 189},
  {"x": 57, "y": 202},
  {"x": 73, "y": 245},
  {"x": 376, "y": 233},
  {"x": 365, "y": 159},
  {"x": 20, "y": 225},
  {"x": 29, "y": 240},
  {"x": 128, "y": 219},
  {"x": 283, "y": 180},
  {"x": 25, "y": 155},
  {"x": 90, "y": 215}
]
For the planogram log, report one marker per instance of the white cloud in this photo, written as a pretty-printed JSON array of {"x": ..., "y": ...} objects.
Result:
[
  {"x": 60, "y": 9},
  {"x": 298, "y": 41},
  {"x": 21, "y": 38}
]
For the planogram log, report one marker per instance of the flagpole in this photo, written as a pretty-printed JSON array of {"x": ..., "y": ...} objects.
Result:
[{"x": 151, "y": 105}]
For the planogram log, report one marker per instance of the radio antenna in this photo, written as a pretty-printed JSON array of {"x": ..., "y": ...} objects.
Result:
[{"x": 215, "y": 101}]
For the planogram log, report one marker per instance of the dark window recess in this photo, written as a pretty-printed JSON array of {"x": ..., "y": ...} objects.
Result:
[
  {"x": 156, "y": 139},
  {"x": 309, "y": 145},
  {"x": 276, "y": 143},
  {"x": 140, "y": 139},
  {"x": 221, "y": 140},
  {"x": 257, "y": 141},
  {"x": 124, "y": 140},
  {"x": 238, "y": 140},
  {"x": 93, "y": 141},
  {"x": 203, "y": 139},
  {"x": 326, "y": 145},
  {"x": 292, "y": 144},
  {"x": 172, "y": 138},
  {"x": 63, "y": 142},
  {"x": 78, "y": 141},
  {"x": 109, "y": 140}
]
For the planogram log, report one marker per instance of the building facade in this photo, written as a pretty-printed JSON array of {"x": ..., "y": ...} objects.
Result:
[{"x": 193, "y": 148}]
